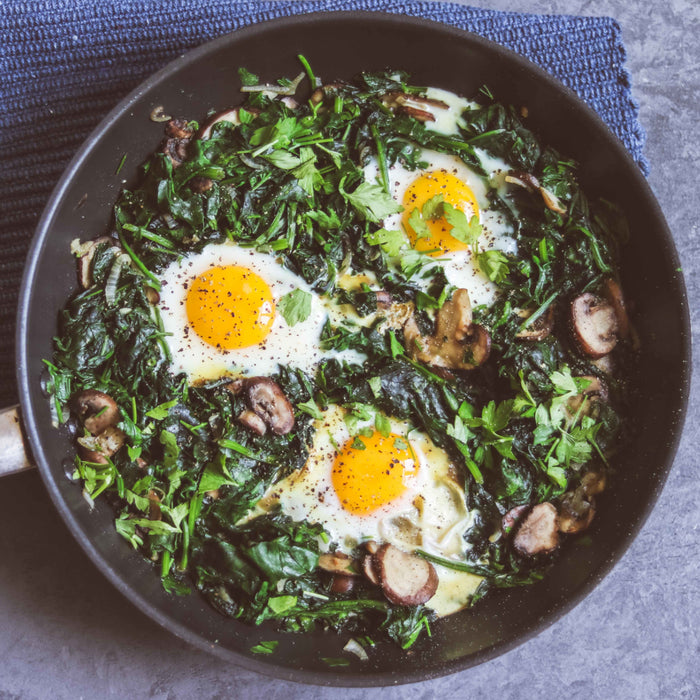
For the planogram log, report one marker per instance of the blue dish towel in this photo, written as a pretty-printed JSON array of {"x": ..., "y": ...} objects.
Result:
[{"x": 65, "y": 63}]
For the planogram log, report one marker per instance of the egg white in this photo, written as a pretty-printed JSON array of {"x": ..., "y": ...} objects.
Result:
[{"x": 297, "y": 345}]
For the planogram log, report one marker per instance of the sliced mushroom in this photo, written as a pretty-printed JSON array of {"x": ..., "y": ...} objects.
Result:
[
  {"x": 337, "y": 563},
  {"x": 178, "y": 129},
  {"x": 594, "y": 394},
  {"x": 396, "y": 98},
  {"x": 97, "y": 448},
  {"x": 228, "y": 115},
  {"x": 342, "y": 584},
  {"x": 523, "y": 179},
  {"x": 595, "y": 325},
  {"x": 368, "y": 569},
  {"x": 96, "y": 410},
  {"x": 539, "y": 531},
  {"x": 575, "y": 512},
  {"x": 318, "y": 95},
  {"x": 152, "y": 295},
  {"x": 178, "y": 136},
  {"x": 253, "y": 422},
  {"x": 90, "y": 455},
  {"x": 85, "y": 260},
  {"x": 593, "y": 483},
  {"x": 289, "y": 102},
  {"x": 512, "y": 518},
  {"x": 422, "y": 115},
  {"x": 176, "y": 150},
  {"x": 613, "y": 294},
  {"x": 405, "y": 578},
  {"x": 604, "y": 364},
  {"x": 413, "y": 105},
  {"x": 371, "y": 546},
  {"x": 267, "y": 400},
  {"x": 540, "y": 328},
  {"x": 457, "y": 344},
  {"x": 532, "y": 184}
]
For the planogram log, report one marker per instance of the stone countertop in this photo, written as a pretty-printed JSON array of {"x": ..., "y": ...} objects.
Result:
[{"x": 67, "y": 633}]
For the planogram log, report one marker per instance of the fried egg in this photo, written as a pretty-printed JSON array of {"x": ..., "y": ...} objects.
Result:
[
  {"x": 394, "y": 486},
  {"x": 460, "y": 186},
  {"x": 220, "y": 312},
  {"x": 448, "y": 176}
]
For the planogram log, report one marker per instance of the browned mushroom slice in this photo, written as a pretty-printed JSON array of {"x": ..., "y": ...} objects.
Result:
[
  {"x": 595, "y": 325},
  {"x": 371, "y": 546},
  {"x": 176, "y": 150},
  {"x": 539, "y": 532},
  {"x": 318, "y": 95},
  {"x": 98, "y": 447},
  {"x": 593, "y": 483},
  {"x": 96, "y": 410},
  {"x": 422, "y": 115},
  {"x": 369, "y": 570},
  {"x": 538, "y": 329},
  {"x": 152, "y": 295},
  {"x": 253, "y": 422},
  {"x": 594, "y": 394},
  {"x": 342, "y": 584},
  {"x": 613, "y": 294},
  {"x": 523, "y": 179},
  {"x": 178, "y": 129},
  {"x": 605, "y": 364},
  {"x": 228, "y": 115},
  {"x": 92, "y": 456},
  {"x": 575, "y": 512},
  {"x": 337, "y": 563},
  {"x": 178, "y": 136},
  {"x": 267, "y": 400},
  {"x": 532, "y": 184},
  {"x": 405, "y": 578},
  {"x": 478, "y": 342},
  {"x": 396, "y": 99},
  {"x": 457, "y": 344},
  {"x": 289, "y": 102},
  {"x": 512, "y": 518},
  {"x": 85, "y": 260}
]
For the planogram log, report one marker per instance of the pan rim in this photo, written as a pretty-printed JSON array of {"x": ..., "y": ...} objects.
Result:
[{"x": 25, "y": 382}]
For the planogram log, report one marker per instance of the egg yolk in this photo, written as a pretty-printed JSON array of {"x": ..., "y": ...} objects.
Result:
[
  {"x": 230, "y": 307},
  {"x": 369, "y": 477},
  {"x": 454, "y": 192}
]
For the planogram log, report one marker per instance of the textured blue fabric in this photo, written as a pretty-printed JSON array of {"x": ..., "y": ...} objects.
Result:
[{"x": 64, "y": 64}]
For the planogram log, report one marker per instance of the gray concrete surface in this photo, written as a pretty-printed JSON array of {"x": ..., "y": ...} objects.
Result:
[{"x": 66, "y": 633}]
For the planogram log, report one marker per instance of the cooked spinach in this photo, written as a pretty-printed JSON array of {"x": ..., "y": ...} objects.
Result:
[{"x": 290, "y": 182}]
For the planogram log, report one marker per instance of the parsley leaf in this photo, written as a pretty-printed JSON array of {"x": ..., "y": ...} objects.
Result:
[
  {"x": 391, "y": 242},
  {"x": 494, "y": 264},
  {"x": 463, "y": 229},
  {"x": 371, "y": 201},
  {"x": 295, "y": 306}
]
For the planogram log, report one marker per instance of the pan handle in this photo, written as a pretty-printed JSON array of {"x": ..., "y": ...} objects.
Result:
[{"x": 14, "y": 455}]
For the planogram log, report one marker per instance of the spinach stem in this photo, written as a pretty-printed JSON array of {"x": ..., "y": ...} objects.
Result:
[{"x": 381, "y": 158}]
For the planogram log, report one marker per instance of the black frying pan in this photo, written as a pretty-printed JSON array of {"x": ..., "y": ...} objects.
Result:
[{"x": 340, "y": 45}]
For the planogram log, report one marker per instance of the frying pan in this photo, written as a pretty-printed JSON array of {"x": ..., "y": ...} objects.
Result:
[{"x": 339, "y": 45}]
